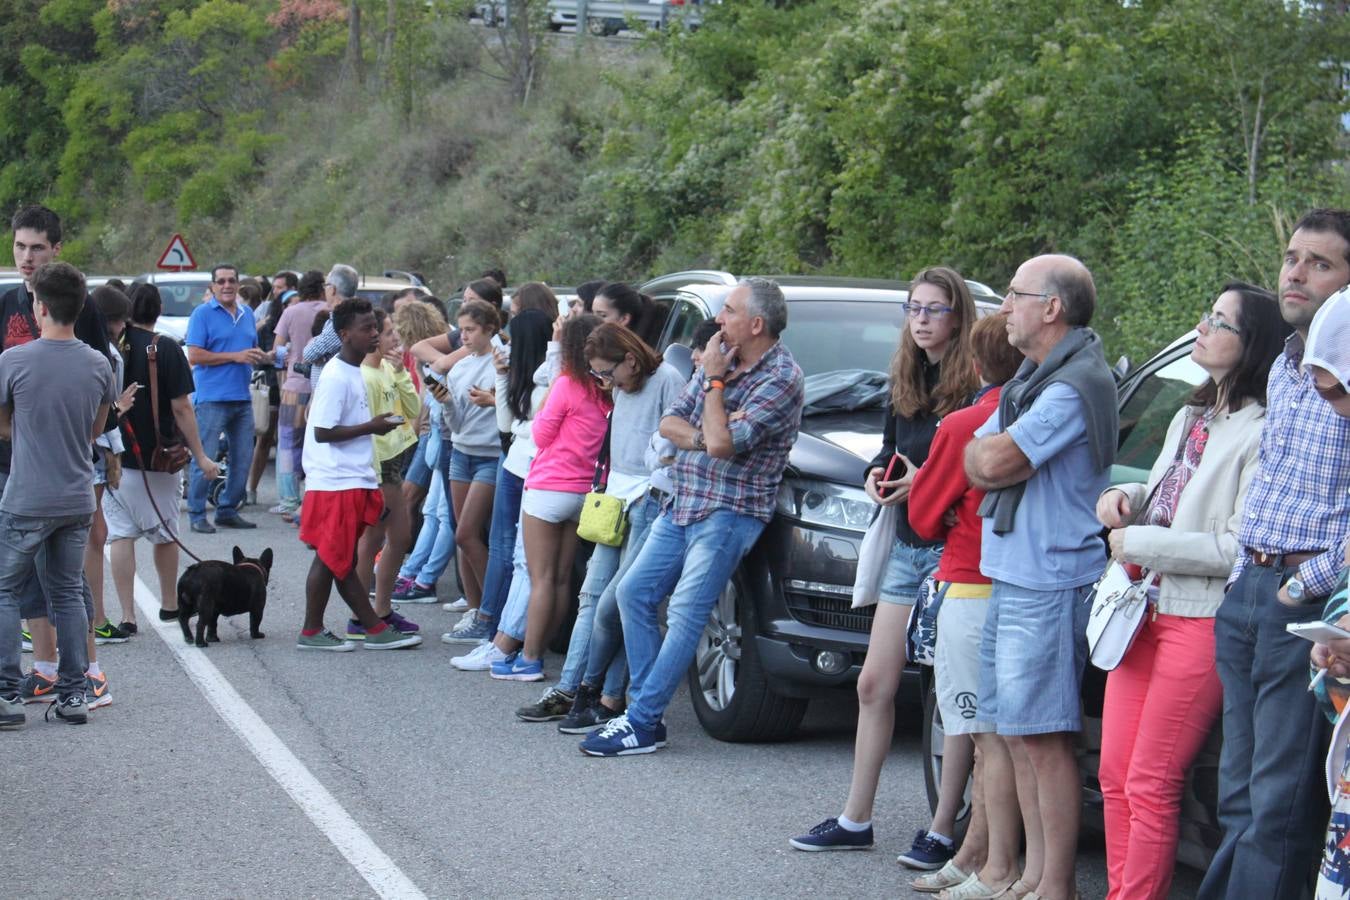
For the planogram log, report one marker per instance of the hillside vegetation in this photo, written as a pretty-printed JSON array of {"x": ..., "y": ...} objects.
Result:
[{"x": 1169, "y": 144}]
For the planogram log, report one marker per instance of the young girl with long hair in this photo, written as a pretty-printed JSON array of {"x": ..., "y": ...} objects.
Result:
[{"x": 932, "y": 374}]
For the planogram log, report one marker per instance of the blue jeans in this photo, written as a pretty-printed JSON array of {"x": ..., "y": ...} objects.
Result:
[
  {"x": 61, "y": 540},
  {"x": 600, "y": 569},
  {"x": 691, "y": 563},
  {"x": 607, "y": 659},
  {"x": 501, "y": 544},
  {"x": 430, "y": 556},
  {"x": 235, "y": 419},
  {"x": 1272, "y": 798}
]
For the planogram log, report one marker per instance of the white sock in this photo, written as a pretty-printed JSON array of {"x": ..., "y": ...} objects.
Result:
[
  {"x": 941, "y": 838},
  {"x": 849, "y": 825},
  {"x": 94, "y": 670},
  {"x": 45, "y": 668}
]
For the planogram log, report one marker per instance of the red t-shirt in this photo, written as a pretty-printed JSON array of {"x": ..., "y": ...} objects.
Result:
[{"x": 941, "y": 484}]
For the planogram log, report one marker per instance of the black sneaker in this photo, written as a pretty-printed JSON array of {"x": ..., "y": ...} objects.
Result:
[
  {"x": 108, "y": 633},
  {"x": 594, "y": 717},
  {"x": 129, "y": 627},
  {"x": 554, "y": 705},
  {"x": 71, "y": 709},
  {"x": 168, "y": 615}
]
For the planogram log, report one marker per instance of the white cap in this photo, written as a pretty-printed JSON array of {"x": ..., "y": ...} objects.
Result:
[{"x": 1329, "y": 337}]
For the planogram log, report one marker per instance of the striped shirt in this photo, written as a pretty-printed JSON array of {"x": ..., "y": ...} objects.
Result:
[
  {"x": 770, "y": 395},
  {"x": 1299, "y": 500}
]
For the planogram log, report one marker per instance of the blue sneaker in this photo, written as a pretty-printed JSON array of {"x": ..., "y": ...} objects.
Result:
[
  {"x": 620, "y": 737},
  {"x": 927, "y": 852},
  {"x": 522, "y": 669},
  {"x": 503, "y": 667},
  {"x": 830, "y": 835}
]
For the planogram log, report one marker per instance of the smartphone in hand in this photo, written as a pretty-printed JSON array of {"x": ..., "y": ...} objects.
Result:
[{"x": 896, "y": 468}]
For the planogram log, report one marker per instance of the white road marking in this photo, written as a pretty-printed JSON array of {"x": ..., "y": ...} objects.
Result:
[{"x": 373, "y": 864}]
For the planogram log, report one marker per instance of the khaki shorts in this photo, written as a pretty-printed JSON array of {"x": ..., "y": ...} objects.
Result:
[
  {"x": 130, "y": 514},
  {"x": 956, "y": 661}
]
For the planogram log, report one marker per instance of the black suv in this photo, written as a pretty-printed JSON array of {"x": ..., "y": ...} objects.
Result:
[{"x": 783, "y": 631}]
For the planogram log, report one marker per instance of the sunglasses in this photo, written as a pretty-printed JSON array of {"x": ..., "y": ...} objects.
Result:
[
  {"x": 605, "y": 374},
  {"x": 227, "y": 281}
]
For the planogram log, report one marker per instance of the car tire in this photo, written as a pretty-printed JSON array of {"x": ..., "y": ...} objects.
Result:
[
  {"x": 933, "y": 736},
  {"x": 727, "y": 685}
]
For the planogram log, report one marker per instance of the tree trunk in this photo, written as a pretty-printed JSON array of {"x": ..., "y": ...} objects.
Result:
[
  {"x": 354, "y": 63},
  {"x": 390, "y": 27}
]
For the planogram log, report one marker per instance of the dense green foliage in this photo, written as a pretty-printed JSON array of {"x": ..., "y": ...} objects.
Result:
[{"x": 1169, "y": 144}]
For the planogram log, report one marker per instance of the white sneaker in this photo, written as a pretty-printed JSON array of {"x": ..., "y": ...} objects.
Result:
[
  {"x": 479, "y": 659},
  {"x": 458, "y": 606}
]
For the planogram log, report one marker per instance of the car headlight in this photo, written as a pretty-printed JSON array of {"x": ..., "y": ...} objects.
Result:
[{"x": 824, "y": 503}]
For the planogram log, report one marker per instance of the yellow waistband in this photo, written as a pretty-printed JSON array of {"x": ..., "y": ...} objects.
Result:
[{"x": 969, "y": 591}]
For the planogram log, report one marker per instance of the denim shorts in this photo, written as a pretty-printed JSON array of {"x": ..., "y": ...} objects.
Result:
[
  {"x": 905, "y": 571},
  {"x": 1032, "y": 653},
  {"x": 419, "y": 470},
  {"x": 482, "y": 469}
]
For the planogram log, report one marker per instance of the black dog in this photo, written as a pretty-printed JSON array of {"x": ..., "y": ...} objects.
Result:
[{"x": 213, "y": 589}]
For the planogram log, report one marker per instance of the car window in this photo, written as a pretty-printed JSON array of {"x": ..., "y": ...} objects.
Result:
[
  {"x": 1145, "y": 416},
  {"x": 833, "y": 335},
  {"x": 181, "y": 299},
  {"x": 687, "y": 317}
]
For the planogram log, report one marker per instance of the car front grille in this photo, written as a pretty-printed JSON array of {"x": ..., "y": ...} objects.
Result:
[{"x": 827, "y": 610}]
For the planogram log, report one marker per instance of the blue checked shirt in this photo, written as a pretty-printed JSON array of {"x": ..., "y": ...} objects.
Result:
[
  {"x": 1299, "y": 500},
  {"x": 770, "y": 395}
]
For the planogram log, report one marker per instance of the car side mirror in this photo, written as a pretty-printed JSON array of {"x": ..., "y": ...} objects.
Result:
[{"x": 1121, "y": 368}]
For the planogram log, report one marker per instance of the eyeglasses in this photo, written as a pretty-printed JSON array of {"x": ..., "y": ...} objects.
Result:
[
  {"x": 605, "y": 374},
  {"x": 227, "y": 281},
  {"x": 1214, "y": 323},
  {"x": 915, "y": 310},
  {"x": 1014, "y": 293}
]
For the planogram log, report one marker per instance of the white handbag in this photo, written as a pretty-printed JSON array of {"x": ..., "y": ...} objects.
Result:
[
  {"x": 1118, "y": 608},
  {"x": 873, "y": 555}
]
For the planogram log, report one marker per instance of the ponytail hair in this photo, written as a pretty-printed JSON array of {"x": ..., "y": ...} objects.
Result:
[{"x": 645, "y": 317}]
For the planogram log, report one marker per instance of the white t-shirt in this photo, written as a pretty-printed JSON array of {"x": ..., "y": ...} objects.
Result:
[{"x": 339, "y": 399}]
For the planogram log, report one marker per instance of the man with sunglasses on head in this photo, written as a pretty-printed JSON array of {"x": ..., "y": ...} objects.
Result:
[
  {"x": 222, "y": 347},
  {"x": 1272, "y": 805}
]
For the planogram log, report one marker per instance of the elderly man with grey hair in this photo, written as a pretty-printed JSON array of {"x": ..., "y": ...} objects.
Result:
[
  {"x": 733, "y": 427},
  {"x": 340, "y": 285}
]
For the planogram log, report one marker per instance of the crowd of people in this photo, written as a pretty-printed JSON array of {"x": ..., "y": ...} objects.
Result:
[{"x": 404, "y": 442}]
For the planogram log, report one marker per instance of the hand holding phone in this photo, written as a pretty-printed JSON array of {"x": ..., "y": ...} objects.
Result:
[{"x": 896, "y": 469}]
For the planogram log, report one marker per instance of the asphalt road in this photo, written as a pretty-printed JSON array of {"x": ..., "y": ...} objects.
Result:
[{"x": 421, "y": 774}]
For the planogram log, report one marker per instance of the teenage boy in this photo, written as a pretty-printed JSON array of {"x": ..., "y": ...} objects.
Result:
[
  {"x": 58, "y": 391},
  {"x": 342, "y": 496}
]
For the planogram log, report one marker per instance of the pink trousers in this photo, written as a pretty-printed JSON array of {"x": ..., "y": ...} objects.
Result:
[{"x": 1161, "y": 703}]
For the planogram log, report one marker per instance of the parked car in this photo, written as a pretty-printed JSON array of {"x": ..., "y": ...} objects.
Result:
[
  {"x": 1148, "y": 398},
  {"x": 782, "y": 632}
]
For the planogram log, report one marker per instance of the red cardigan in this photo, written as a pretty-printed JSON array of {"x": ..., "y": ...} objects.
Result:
[{"x": 941, "y": 484}]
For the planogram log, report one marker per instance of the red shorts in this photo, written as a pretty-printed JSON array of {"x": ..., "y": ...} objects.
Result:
[{"x": 331, "y": 523}]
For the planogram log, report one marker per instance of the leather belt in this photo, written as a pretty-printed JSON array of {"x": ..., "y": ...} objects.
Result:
[
  {"x": 657, "y": 494},
  {"x": 1275, "y": 560}
]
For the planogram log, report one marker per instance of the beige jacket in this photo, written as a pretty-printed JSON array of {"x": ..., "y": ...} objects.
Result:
[{"x": 1196, "y": 555}]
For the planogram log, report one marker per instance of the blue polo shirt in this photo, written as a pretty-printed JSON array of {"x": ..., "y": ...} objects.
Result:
[
  {"x": 211, "y": 327},
  {"x": 1056, "y": 541}
]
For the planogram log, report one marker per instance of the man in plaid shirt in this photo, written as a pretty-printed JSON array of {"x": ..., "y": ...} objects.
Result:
[
  {"x": 733, "y": 427},
  {"x": 1272, "y": 804}
]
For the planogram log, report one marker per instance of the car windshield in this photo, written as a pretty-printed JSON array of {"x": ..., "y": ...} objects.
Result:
[
  {"x": 181, "y": 299},
  {"x": 1145, "y": 416},
  {"x": 835, "y": 335}
]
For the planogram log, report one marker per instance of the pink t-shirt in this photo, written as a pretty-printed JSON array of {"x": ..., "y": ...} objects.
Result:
[{"x": 568, "y": 432}]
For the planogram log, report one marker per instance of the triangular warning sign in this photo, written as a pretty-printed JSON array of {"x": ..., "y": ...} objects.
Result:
[{"x": 177, "y": 256}]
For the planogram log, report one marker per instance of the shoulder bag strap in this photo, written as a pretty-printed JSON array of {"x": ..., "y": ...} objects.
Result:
[
  {"x": 602, "y": 461},
  {"x": 151, "y": 352}
]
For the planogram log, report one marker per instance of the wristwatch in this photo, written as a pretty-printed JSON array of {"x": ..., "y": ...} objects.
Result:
[
  {"x": 711, "y": 382},
  {"x": 1295, "y": 589},
  {"x": 699, "y": 443}
]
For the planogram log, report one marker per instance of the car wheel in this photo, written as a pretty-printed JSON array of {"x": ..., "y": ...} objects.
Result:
[
  {"x": 731, "y": 697},
  {"x": 933, "y": 737}
]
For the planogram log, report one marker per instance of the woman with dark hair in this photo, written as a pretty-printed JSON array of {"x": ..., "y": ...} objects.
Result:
[
  {"x": 585, "y": 296},
  {"x": 522, "y": 385},
  {"x": 534, "y": 295},
  {"x": 590, "y": 690},
  {"x": 567, "y": 431},
  {"x": 489, "y": 292},
  {"x": 1181, "y": 527},
  {"x": 621, "y": 304},
  {"x": 932, "y": 374}
]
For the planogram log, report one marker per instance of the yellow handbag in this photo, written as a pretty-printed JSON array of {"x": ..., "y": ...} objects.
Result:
[{"x": 603, "y": 519}]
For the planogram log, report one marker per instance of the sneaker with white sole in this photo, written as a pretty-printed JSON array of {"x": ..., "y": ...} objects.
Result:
[
  {"x": 928, "y": 852},
  {"x": 324, "y": 640},
  {"x": 520, "y": 669},
  {"x": 479, "y": 659},
  {"x": 551, "y": 707},
  {"x": 620, "y": 737},
  {"x": 390, "y": 638},
  {"x": 96, "y": 693},
  {"x": 456, "y": 606},
  {"x": 473, "y": 631},
  {"x": 830, "y": 835},
  {"x": 11, "y": 712}
]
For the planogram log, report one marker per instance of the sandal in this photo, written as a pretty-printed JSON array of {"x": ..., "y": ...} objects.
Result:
[
  {"x": 971, "y": 889},
  {"x": 1019, "y": 890},
  {"x": 948, "y": 876}
]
